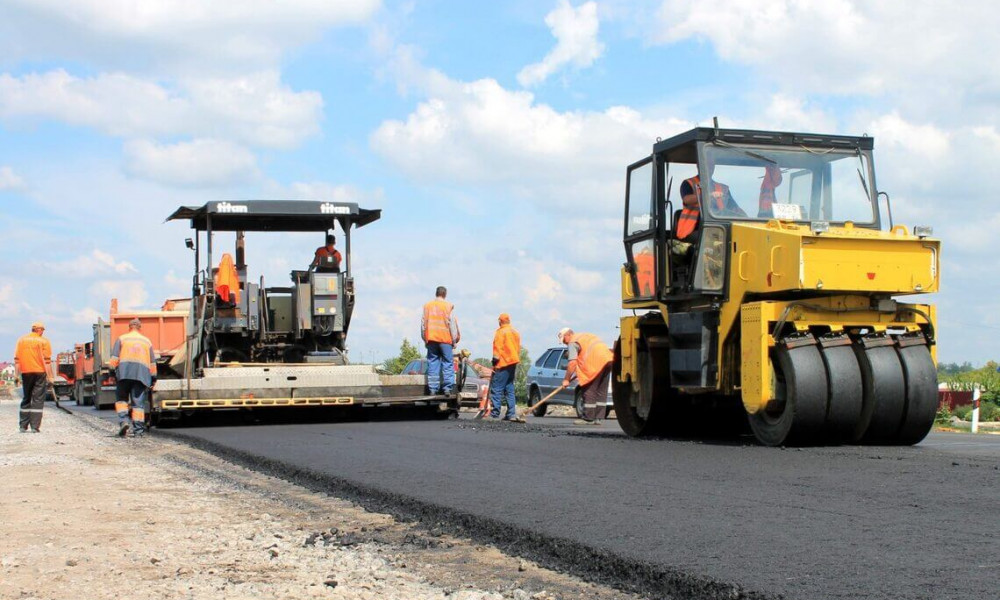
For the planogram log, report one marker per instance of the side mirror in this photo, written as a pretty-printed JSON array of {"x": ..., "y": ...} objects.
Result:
[{"x": 189, "y": 243}]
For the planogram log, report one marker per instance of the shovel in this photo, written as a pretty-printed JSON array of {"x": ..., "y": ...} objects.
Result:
[{"x": 532, "y": 408}]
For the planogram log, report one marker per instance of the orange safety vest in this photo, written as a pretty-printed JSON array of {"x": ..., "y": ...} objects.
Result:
[
  {"x": 507, "y": 346},
  {"x": 772, "y": 179},
  {"x": 227, "y": 282},
  {"x": 437, "y": 322},
  {"x": 136, "y": 348},
  {"x": 33, "y": 353},
  {"x": 644, "y": 273},
  {"x": 594, "y": 355},
  {"x": 689, "y": 216}
]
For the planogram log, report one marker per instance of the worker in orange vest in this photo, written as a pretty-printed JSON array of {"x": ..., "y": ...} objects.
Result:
[
  {"x": 134, "y": 361},
  {"x": 439, "y": 330},
  {"x": 327, "y": 258},
  {"x": 590, "y": 360},
  {"x": 506, "y": 357},
  {"x": 644, "y": 274},
  {"x": 33, "y": 364},
  {"x": 691, "y": 193}
]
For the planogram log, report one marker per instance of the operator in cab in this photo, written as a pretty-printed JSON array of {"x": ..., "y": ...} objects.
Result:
[
  {"x": 327, "y": 259},
  {"x": 721, "y": 200}
]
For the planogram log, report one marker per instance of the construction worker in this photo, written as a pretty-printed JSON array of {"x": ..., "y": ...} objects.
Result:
[
  {"x": 506, "y": 357},
  {"x": 439, "y": 330},
  {"x": 134, "y": 361},
  {"x": 722, "y": 202},
  {"x": 644, "y": 271},
  {"x": 590, "y": 360},
  {"x": 327, "y": 259},
  {"x": 33, "y": 364}
]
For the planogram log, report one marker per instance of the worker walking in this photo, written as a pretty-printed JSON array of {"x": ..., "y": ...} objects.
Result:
[
  {"x": 33, "y": 364},
  {"x": 439, "y": 330},
  {"x": 134, "y": 361},
  {"x": 590, "y": 360},
  {"x": 506, "y": 356}
]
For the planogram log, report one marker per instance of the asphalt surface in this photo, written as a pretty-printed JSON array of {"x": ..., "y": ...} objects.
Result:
[{"x": 670, "y": 518}]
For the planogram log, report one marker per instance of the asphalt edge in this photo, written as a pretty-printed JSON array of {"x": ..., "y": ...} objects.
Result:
[{"x": 588, "y": 563}]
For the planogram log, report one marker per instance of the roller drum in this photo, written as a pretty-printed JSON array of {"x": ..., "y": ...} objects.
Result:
[
  {"x": 884, "y": 397},
  {"x": 921, "y": 393},
  {"x": 846, "y": 393}
]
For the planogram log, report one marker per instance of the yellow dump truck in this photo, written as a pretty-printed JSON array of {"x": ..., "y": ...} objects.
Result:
[{"x": 768, "y": 294}]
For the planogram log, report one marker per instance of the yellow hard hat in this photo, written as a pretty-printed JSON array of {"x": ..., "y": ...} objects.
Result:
[{"x": 38, "y": 325}]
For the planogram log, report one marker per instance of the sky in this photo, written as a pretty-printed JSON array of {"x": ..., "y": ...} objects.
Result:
[{"x": 493, "y": 136}]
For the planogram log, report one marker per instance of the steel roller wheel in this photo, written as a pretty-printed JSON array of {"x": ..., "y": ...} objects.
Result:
[
  {"x": 626, "y": 398},
  {"x": 846, "y": 392},
  {"x": 796, "y": 415},
  {"x": 884, "y": 398},
  {"x": 921, "y": 393}
]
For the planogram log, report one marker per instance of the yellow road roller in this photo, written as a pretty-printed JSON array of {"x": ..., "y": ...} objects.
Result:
[{"x": 761, "y": 288}]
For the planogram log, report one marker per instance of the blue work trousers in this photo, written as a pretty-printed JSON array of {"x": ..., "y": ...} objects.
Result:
[
  {"x": 440, "y": 370},
  {"x": 502, "y": 387}
]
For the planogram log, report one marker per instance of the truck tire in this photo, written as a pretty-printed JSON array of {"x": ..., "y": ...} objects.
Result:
[{"x": 534, "y": 397}]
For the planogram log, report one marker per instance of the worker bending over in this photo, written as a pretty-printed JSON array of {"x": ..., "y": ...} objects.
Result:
[
  {"x": 134, "y": 361},
  {"x": 33, "y": 364},
  {"x": 590, "y": 360},
  {"x": 439, "y": 330},
  {"x": 506, "y": 356}
]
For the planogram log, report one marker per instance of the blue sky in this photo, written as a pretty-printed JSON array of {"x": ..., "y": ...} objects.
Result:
[{"x": 494, "y": 137}]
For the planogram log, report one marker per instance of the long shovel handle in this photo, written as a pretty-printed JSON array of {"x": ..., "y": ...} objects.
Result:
[{"x": 544, "y": 400}]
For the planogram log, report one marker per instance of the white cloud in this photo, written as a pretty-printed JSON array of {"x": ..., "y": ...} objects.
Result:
[
  {"x": 256, "y": 109},
  {"x": 575, "y": 30},
  {"x": 86, "y": 316},
  {"x": 906, "y": 49},
  {"x": 481, "y": 132},
  {"x": 196, "y": 163},
  {"x": 208, "y": 35},
  {"x": 9, "y": 180},
  {"x": 130, "y": 293},
  {"x": 96, "y": 263}
]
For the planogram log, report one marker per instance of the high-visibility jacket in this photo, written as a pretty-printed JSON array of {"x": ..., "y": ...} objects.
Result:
[
  {"x": 644, "y": 273},
  {"x": 688, "y": 220},
  {"x": 33, "y": 354},
  {"x": 591, "y": 358},
  {"x": 322, "y": 253},
  {"x": 772, "y": 179},
  {"x": 438, "y": 324},
  {"x": 134, "y": 357},
  {"x": 227, "y": 282},
  {"x": 506, "y": 346}
]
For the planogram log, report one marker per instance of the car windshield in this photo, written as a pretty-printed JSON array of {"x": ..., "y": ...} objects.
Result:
[{"x": 794, "y": 184}]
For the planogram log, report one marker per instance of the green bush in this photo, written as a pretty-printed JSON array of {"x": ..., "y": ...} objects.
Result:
[
  {"x": 943, "y": 415},
  {"x": 963, "y": 412},
  {"x": 989, "y": 411}
]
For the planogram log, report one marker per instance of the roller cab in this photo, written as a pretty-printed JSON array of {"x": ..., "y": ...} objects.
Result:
[{"x": 762, "y": 285}]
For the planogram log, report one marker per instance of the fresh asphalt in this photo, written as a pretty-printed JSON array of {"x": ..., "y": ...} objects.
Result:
[{"x": 669, "y": 518}]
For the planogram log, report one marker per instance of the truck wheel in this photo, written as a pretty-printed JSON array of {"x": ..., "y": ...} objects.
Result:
[
  {"x": 797, "y": 413},
  {"x": 884, "y": 394}
]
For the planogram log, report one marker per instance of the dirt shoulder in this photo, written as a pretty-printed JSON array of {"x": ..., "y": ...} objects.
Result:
[{"x": 86, "y": 514}]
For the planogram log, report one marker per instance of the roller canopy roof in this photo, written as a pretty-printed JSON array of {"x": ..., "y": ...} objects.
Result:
[{"x": 276, "y": 215}]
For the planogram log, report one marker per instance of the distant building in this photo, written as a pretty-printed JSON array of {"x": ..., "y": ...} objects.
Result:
[{"x": 7, "y": 371}]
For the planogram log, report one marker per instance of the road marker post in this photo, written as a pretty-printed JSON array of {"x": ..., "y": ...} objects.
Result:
[{"x": 975, "y": 409}]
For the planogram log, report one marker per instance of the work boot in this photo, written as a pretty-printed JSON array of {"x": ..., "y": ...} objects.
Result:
[
  {"x": 33, "y": 430},
  {"x": 23, "y": 429},
  {"x": 582, "y": 422},
  {"x": 123, "y": 430}
]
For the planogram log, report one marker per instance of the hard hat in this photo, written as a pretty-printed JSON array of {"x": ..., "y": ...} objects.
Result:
[
  {"x": 563, "y": 332},
  {"x": 38, "y": 325},
  {"x": 504, "y": 318}
]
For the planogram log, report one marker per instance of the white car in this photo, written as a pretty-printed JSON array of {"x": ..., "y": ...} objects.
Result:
[{"x": 547, "y": 374}]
